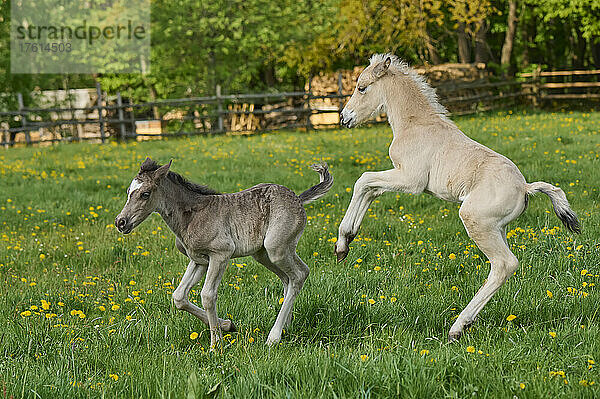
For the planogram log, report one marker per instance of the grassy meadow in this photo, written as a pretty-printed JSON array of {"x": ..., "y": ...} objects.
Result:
[{"x": 87, "y": 312}]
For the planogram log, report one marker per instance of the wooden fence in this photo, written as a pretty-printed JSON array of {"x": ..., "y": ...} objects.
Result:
[{"x": 112, "y": 117}]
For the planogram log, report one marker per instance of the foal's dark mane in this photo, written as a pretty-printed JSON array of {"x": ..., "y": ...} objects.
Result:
[{"x": 176, "y": 178}]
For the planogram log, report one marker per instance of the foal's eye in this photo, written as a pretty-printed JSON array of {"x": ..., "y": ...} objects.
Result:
[
  {"x": 362, "y": 90},
  {"x": 145, "y": 195}
]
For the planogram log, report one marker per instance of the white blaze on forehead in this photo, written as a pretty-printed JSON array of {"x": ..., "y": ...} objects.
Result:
[{"x": 135, "y": 184}]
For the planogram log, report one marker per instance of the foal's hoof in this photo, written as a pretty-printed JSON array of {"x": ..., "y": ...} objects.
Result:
[
  {"x": 453, "y": 337},
  {"x": 227, "y": 325},
  {"x": 341, "y": 255}
]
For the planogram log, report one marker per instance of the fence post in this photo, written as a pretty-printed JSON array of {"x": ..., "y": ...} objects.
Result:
[
  {"x": 536, "y": 86},
  {"x": 121, "y": 121},
  {"x": 309, "y": 112},
  {"x": 219, "y": 109},
  {"x": 100, "y": 119},
  {"x": 23, "y": 118},
  {"x": 340, "y": 93}
]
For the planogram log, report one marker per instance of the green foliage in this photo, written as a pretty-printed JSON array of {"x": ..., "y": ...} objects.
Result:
[
  {"x": 367, "y": 27},
  {"x": 585, "y": 12},
  {"x": 261, "y": 45},
  {"x": 242, "y": 45}
]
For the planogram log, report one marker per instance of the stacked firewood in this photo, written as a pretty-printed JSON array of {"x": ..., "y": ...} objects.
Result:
[
  {"x": 241, "y": 117},
  {"x": 326, "y": 84}
]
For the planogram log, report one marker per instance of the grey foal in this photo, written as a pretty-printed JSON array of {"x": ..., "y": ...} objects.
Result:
[{"x": 264, "y": 221}]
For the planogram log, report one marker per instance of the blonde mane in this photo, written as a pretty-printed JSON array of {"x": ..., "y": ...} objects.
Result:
[{"x": 399, "y": 66}]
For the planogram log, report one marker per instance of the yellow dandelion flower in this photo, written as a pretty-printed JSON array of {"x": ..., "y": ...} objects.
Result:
[
  {"x": 364, "y": 358},
  {"x": 377, "y": 268},
  {"x": 26, "y": 313},
  {"x": 281, "y": 300},
  {"x": 113, "y": 376},
  {"x": 511, "y": 317},
  {"x": 452, "y": 256},
  {"x": 42, "y": 256},
  {"x": 424, "y": 352},
  {"x": 193, "y": 335},
  {"x": 132, "y": 282},
  {"x": 115, "y": 307},
  {"x": 584, "y": 272},
  {"x": 371, "y": 301},
  {"x": 393, "y": 299},
  {"x": 522, "y": 386},
  {"x": 471, "y": 349},
  {"x": 552, "y": 334},
  {"x": 45, "y": 305}
]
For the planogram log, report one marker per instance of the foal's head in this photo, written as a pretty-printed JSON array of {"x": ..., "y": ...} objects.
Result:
[
  {"x": 368, "y": 97},
  {"x": 142, "y": 196}
]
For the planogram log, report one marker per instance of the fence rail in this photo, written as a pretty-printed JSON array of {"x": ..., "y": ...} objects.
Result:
[{"x": 109, "y": 116}]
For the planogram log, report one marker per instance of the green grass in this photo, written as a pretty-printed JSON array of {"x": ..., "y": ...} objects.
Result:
[{"x": 57, "y": 244}]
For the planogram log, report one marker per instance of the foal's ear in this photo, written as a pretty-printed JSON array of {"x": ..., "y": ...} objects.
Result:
[
  {"x": 146, "y": 165},
  {"x": 162, "y": 171},
  {"x": 382, "y": 67}
]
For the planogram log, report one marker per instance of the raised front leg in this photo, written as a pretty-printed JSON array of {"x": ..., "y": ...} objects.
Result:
[
  {"x": 368, "y": 187},
  {"x": 193, "y": 274},
  {"x": 216, "y": 267}
]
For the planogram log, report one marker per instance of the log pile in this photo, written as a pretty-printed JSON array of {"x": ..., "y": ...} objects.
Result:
[
  {"x": 241, "y": 118},
  {"x": 283, "y": 113},
  {"x": 326, "y": 84}
]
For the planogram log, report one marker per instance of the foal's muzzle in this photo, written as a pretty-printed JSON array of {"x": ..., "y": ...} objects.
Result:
[
  {"x": 123, "y": 224},
  {"x": 347, "y": 118}
]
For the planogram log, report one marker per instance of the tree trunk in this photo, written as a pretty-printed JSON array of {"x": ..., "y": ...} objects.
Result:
[
  {"x": 596, "y": 54},
  {"x": 434, "y": 56},
  {"x": 153, "y": 97},
  {"x": 481, "y": 48},
  {"x": 464, "y": 47},
  {"x": 580, "y": 47},
  {"x": 510, "y": 34},
  {"x": 527, "y": 34},
  {"x": 269, "y": 76}
]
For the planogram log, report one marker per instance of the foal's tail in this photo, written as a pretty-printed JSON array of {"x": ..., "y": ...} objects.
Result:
[
  {"x": 559, "y": 202},
  {"x": 316, "y": 192}
]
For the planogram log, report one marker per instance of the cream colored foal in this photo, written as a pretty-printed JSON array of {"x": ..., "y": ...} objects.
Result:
[{"x": 431, "y": 154}]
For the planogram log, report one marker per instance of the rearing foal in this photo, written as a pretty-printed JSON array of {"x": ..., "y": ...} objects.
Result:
[
  {"x": 265, "y": 221},
  {"x": 431, "y": 154}
]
